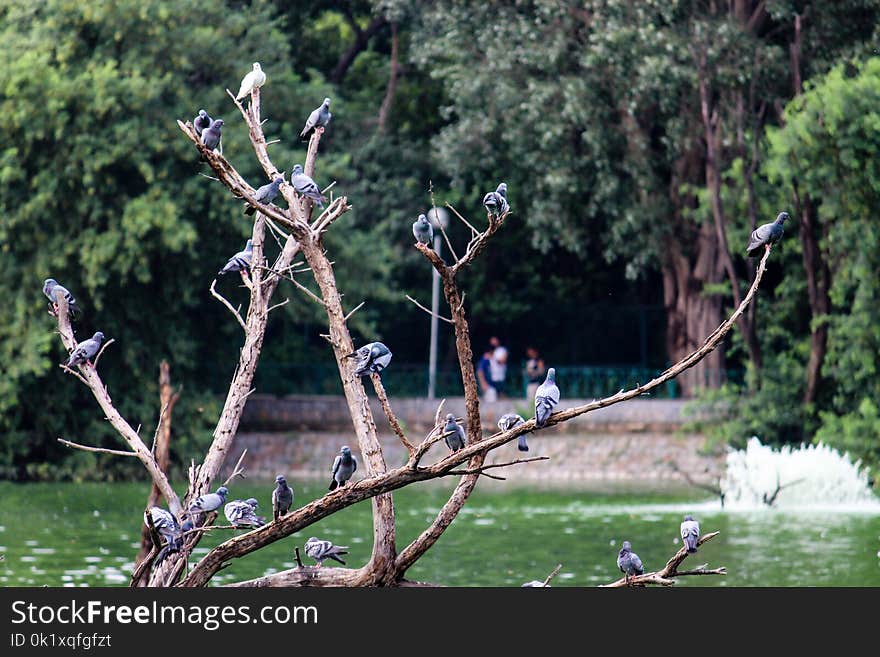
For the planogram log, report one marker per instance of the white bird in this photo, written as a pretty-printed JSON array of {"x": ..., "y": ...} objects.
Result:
[{"x": 251, "y": 81}]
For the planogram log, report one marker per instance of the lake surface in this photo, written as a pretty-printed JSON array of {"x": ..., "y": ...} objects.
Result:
[{"x": 88, "y": 535}]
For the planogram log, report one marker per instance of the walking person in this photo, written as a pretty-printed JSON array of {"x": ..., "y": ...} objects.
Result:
[{"x": 535, "y": 371}]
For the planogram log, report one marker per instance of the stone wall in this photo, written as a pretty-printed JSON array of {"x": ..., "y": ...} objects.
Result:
[{"x": 636, "y": 441}]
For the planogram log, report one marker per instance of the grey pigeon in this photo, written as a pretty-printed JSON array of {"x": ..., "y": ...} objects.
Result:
[
  {"x": 241, "y": 261},
  {"x": 423, "y": 231},
  {"x": 535, "y": 584},
  {"x": 690, "y": 533},
  {"x": 453, "y": 434},
  {"x": 242, "y": 513},
  {"x": 253, "y": 80},
  {"x": 496, "y": 202},
  {"x": 209, "y": 502},
  {"x": 344, "y": 466},
  {"x": 167, "y": 527},
  {"x": 372, "y": 357},
  {"x": 322, "y": 550},
  {"x": 766, "y": 234},
  {"x": 319, "y": 118},
  {"x": 85, "y": 350},
  {"x": 305, "y": 186},
  {"x": 212, "y": 134},
  {"x": 629, "y": 562},
  {"x": 201, "y": 122},
  {"x": 54, "y": 291},
  {"x": 265, "y": 195},
  {"x": 282, "y": 497},
  {"x": 546, "y": 398},
  {"x": 508, "y": 422}
]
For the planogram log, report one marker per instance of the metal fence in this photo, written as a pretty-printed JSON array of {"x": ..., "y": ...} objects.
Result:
[{"x": 411, "y": 380}]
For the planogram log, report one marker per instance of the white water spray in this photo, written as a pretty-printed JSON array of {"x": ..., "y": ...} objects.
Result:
[{"x": 809, "y": 477}]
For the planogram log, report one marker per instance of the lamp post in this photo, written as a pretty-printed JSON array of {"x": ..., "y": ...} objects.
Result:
[{"x": 439, "y": 217}]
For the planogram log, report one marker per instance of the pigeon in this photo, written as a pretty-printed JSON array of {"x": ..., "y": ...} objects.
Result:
[
  {"x": 372, "y": 357},
  {"x": 423, "y": 231},
  {"x": 242, "y": 513},
  {"x": 85, "y": 350},
  {"x": 209, "y": 502},
  {"x": 318, "y": 119},
  {"x": 766, "y": 235},
  {"x": 265, "y": 195},
  {"x": 453, "y": 434},
  {"x": 344, "y": 465},
  {"x": 508, "y": 422},
  {"x": 282, "y": 497},
  {"x": 690, "y": 533},
  {"x": 546, "y": 398},
  {"x": 201, "y": 122},
  {"x": 321, "y": 550},
  {"x": 166, "y": 524},
  {"x": 535, "y": 584},
  {"x": 629, "y": 562},
  {"x": 496, "y": 202},
  {"x": 306, "y": 186},
  {"x": 212, "y": 134},
  {"x": 54, "y": 291},
  {"x": 241, "y": 261},
  {"x": 253, "y": 80}
]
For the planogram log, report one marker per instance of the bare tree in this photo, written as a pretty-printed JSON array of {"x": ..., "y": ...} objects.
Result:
[{"x": 303, "y": 234}]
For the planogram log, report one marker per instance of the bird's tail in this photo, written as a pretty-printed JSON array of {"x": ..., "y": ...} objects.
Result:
[
  {"x": 521, "y": 444},
  {"x": 691, "y": 543},
  {"x": 333, "y": 484},
  {"x": 335, "y": 558}
]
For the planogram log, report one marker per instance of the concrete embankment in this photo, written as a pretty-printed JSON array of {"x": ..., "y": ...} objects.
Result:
[{"x": 636, "y": 441}]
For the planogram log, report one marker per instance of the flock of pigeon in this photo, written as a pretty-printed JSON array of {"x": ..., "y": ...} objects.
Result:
[
  {"x": 371, "y": 358},
  {"x": 242, "y": 514}
]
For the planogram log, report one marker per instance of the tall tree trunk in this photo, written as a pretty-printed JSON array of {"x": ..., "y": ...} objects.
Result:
[
  {"x": 818, "y": 282},
  {"x": 690, "y": 314}
]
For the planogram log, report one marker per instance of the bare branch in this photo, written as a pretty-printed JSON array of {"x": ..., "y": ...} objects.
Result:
[
  {"x": 438, "y": 316},
  {"x": 666, "y": 575},
  {"x": 392, "y": 418},
  {"x": 100, "y": 450},
  {"x": 228, "y": 305},
  {"x": 474, "y": 231},
  {"x": 103, "y": 347},
  {"x": 238, "y": 470},
  {"x": 353, "y": 311},
  {"x": 278, "y": 305},
  {"x": 553, "y": 574},
  {"x": 482, "y": 469}
]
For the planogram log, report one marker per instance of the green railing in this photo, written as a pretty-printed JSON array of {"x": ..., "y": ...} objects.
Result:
[{"x": 411, "y": 380}]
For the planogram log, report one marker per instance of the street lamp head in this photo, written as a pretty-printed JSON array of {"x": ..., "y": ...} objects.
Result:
[{"x": 439, "y": 217}]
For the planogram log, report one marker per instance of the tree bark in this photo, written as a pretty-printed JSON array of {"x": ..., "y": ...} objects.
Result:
[{"x": 818, "y": 283}]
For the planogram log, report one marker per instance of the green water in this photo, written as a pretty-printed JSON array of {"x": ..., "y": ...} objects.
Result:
[{"x": 87, "y": 535}]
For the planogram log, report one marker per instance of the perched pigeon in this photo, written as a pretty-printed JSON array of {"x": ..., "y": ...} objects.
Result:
[
  {"x": 85, "y": 350},
  {"x": 453, "y": 434},
  {"x": 166, "y": 524},
  {"x": 373, "y": 357},
  {"x": 242, "y": 513},
  {"x": 423, "y": 231},
  {"x": 241, "y": 261},
  {"x": 212, "y": 134},
  {"x": 201, "y": 122},
  {"x": 54, "y": 291},
  {"x": 344, "y": 466},
  {"x": 496, "y": 202},
  {"x": 304, "y": 185},
  {"x": 282, "y": 497},
  {"x": 535, "y": 584},
  {"x": 629, "y": 562},
  {"x": 690, "y": 533},
  {"x": 253, "y": 80},
  {"x": 318, "y": 119},
  {"x": 209, "y": 502},
  {"x": 766, "y": 234},
  {"x": 546, "y": 398},
  {"x": 265, "y": 194},
  {"x": 321, "y": 550},
  {"x": 508, "y": 422}
]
